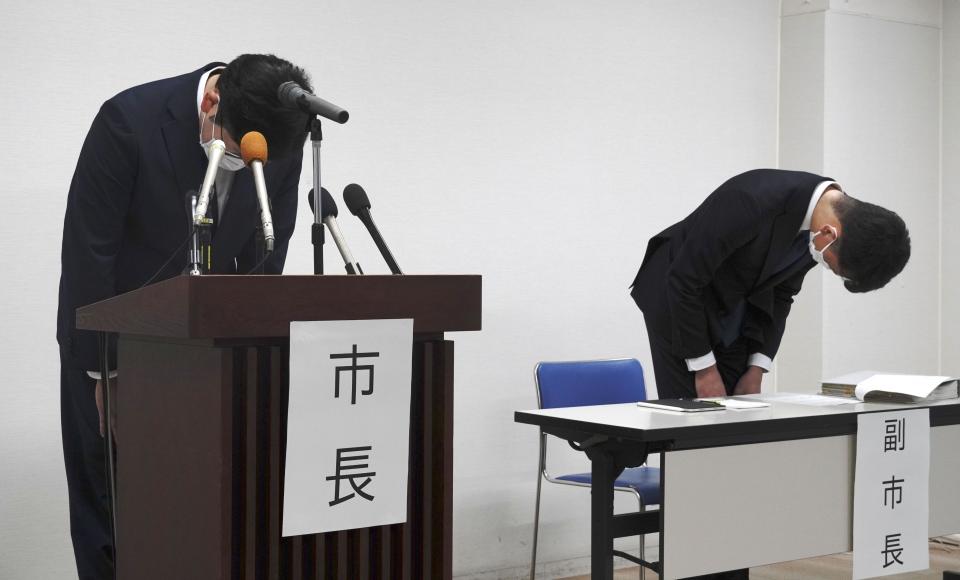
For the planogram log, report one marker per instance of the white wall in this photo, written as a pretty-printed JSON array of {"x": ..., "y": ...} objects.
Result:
[
  {"x": 882, "y": 125},
  {"x": 538, "y": 143},
  {"x": 860, "y": 102},
  {"x": 798, "y": 366},
  {"x": 950, "y": 328}
]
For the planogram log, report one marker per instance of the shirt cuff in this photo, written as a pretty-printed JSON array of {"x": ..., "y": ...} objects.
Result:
[
  {"x": 98, "y": 376},
  {"x": 760, "y": 360},
  {"x": 701, "y": 362}
]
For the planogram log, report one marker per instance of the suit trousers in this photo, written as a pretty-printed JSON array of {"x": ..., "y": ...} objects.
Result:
[
  {"x": 674, "y": 381},
  {"x": 84, "y": 459}
]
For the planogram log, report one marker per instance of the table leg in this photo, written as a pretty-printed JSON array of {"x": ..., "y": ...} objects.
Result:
[{"x": 604, "y": 473}]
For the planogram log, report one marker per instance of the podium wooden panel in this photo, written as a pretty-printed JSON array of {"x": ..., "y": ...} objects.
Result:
[{"x": 201, "y": 425}]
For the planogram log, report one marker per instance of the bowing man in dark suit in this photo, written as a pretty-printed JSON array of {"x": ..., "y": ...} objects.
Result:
[
  {"x": 716, "y": 288},
  {"x": 127, "y": 214}
]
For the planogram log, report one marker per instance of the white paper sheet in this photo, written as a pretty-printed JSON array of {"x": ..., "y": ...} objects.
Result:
[
  {"x": 808, "y": 400},
  {"x": 738, "y": 404},
  {"x": 348, "y": 427}
]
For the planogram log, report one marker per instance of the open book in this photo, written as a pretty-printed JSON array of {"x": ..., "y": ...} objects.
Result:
[{"x": 893, "y": 388}]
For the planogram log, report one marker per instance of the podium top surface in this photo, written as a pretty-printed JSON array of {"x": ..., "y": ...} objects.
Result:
[{"x": 263, "y": 306}]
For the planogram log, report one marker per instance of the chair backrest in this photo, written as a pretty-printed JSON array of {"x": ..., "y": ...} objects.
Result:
[{"x": 591, "y": 382}]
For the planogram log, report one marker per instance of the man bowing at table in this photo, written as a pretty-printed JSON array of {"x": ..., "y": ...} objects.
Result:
[{"x": 716, "y": 288}]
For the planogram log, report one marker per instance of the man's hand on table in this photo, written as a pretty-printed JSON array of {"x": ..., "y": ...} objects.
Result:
[
  {"x": 709, "y": 383},
  {"x": 749, "y": 383}
]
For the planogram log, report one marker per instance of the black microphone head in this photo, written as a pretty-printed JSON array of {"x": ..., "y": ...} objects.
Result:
[
  {"x": 355, "y": 198},
  {"x": 294, "y": 96},
  {"x": 289, "y": 91},
  {"x": 310, "y": 201},
  {"x": 328, "y": 207}
]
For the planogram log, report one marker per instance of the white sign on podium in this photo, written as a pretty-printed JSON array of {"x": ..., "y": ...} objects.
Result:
[
  {"x": 348, "y": 425},
  {"x": 891, "y": 502}
]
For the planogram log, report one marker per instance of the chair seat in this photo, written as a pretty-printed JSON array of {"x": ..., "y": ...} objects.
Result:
[{"x": 644, "y": 480}]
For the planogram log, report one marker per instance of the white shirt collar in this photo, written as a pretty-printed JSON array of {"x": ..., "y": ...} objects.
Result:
[
  {"x": 203, "y": 84},
  {"x": 817, "y": 194}
]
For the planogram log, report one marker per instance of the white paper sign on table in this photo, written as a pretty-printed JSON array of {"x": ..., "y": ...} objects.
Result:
[
  {"x": 891, "y": 493},
  {"x": 348, "y": 425}
]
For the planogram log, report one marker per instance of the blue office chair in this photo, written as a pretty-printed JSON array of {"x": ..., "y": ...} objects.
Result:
[{"x": 595, "y": 382}]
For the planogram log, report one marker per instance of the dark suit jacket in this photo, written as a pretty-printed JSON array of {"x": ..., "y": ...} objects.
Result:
[
  {"x": 127, "y": 211},
  {"x": 729, "y": 250}
]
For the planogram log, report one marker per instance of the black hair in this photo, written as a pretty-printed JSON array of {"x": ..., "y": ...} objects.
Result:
[
  {"x": 249, "y": 102},
  {"x": 874, "y": 245}
]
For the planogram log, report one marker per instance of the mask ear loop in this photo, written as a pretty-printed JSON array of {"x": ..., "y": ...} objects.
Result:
[
  {"x": 217, "y": 115},
  {"x": 830, "y": 243},
  {"x": 212, "y": 118},
  {"x": 215, "y": 124},
  {"x": 203, "y": 119},
  {"x": 836, "y": 237}
]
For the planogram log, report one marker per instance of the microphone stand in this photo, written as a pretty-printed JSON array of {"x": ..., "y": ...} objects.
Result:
[
  {"x": 316, "y": 233},
  {"x": 194, "y": 254},
  {"x": 260, "y": 250},
  {"x": 382, "y": 246},
  {"x": 200, "y": 244}
]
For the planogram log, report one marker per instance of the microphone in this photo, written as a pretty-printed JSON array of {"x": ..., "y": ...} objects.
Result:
[
  {"x": 358, "y": 202},
  {"x": 328, "y": 211},
  {"x": 215, "y": 154},
  {"x": 253, "y": 150},
  {"x": 296, "y": 97}
]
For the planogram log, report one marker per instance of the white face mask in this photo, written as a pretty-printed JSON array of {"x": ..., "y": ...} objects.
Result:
[
  {"x": 229, "y": 161},
  {"x": 818, "y": 254}
]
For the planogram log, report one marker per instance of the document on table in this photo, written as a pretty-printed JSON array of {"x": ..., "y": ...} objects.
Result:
[
  {"x": 737, "y": 404},
  {"x": 909, "y": 388},
  {"x": 808, "y": 400}
]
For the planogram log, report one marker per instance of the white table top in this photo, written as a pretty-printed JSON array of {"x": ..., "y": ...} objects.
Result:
[{"x": 778, "y": 421}]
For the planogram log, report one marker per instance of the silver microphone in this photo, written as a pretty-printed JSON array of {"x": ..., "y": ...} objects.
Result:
[
  {"x": 253, "y": 149},
  {"x": 215, "y": 154}
]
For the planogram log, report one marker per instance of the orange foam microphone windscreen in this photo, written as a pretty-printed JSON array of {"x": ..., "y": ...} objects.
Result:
[{"x": 253, "y": 147}]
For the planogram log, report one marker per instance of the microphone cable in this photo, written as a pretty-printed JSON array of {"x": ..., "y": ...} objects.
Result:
[
  {"x": 170, "y": 259},
  {"x": 260, "y": 264},
  {"x": 103, "y": 338}
]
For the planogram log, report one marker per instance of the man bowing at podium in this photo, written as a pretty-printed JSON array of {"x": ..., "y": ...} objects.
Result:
[{"x": 126, "y": 220}]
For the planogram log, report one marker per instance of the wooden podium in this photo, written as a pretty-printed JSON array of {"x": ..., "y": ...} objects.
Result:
[{"x": 200, "y": 427}]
